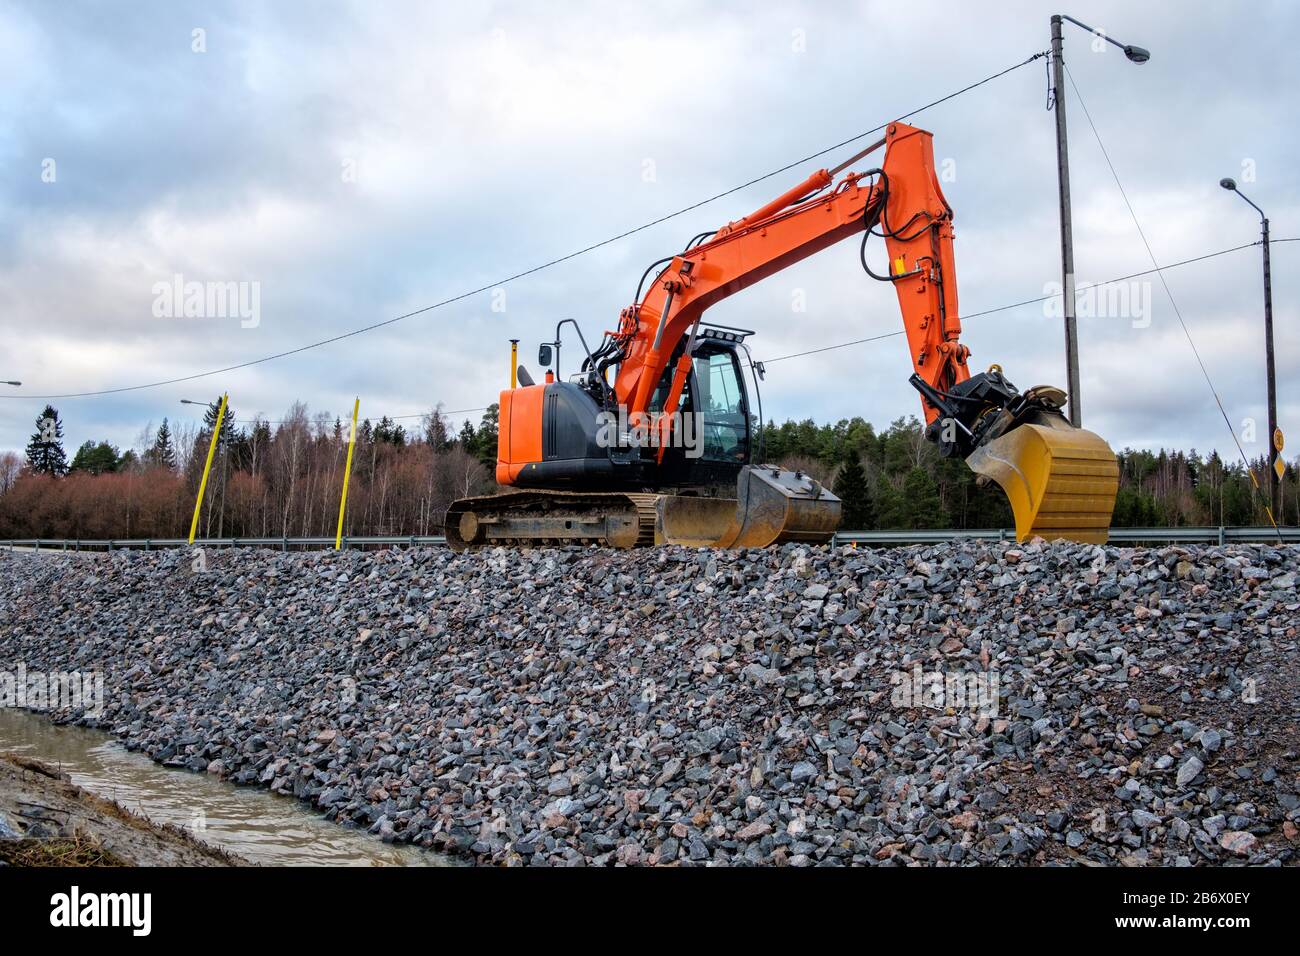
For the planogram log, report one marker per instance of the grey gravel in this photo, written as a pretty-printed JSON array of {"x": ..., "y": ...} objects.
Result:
[
  {"x": 1189, "y": 771},
  {"x": 673, "y": 706}
]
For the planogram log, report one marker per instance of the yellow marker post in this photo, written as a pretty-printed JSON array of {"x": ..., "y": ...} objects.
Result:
[
  {"x": 212, "y": 450},
  {"x": 514, "y": 363},
  {"x": 347, "y": 473}
]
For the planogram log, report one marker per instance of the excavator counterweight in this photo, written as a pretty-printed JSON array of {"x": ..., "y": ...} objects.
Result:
[{"x": 652, "y": 441}]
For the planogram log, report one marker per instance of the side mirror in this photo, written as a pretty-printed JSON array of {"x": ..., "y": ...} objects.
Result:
[{"x": 544, "y": 356}]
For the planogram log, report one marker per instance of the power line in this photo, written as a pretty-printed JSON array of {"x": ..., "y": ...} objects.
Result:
[
  {"x": 831, "y": 348},
  {"x": 1041, "y": 298},
  {"x": 538, "y": 268},
  {"x": 1169, "y": 292},
  {"x": 392, "y": 418}
]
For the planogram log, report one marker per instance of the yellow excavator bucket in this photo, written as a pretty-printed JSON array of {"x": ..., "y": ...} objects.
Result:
[
  {"x": 772, "y": 506},
  {"x": 1061, "y": 480}
]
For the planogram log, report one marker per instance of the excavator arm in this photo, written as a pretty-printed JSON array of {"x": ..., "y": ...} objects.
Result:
[
  {"x": 1060, "y": 481},
  {"x": 903, "y": 201}
]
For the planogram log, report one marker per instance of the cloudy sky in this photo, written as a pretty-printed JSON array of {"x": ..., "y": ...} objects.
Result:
[{"x": 352, "y": 162}]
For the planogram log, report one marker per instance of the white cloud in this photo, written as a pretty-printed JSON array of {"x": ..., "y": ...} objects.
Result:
[{"x": 485, "y": 140}]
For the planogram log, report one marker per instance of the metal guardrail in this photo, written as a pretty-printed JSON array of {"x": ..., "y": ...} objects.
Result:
[
  {"x": 284, "y": 544},
  {"x": 923, "y": 536},
  {"x": 1221, "y": 535}
]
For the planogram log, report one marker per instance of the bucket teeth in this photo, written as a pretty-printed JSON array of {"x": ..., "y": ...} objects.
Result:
[{"x": 1061, "y": 481}]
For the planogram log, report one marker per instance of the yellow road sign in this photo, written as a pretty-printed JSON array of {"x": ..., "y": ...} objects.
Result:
[
  {"x": 1279, "y": 466},
  {"x": 1277, "y": 438}
]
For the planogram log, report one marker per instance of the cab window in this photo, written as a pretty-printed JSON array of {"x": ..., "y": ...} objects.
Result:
[{"x": 720, "y": 402}]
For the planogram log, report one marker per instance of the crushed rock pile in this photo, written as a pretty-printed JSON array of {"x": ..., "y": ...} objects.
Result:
[{"x": 969, "y": 703}]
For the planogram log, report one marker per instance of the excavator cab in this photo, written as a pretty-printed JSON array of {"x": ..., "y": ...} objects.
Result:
[
  {"x": 729, "y": 501},
  {"x": 712, "y": 432}
]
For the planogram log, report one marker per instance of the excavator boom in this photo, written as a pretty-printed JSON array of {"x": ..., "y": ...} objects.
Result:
[{"x": 903, "y": 198}]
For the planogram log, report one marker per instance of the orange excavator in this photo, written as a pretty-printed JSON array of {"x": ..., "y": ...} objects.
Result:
[{"x": 653, "y": 440}]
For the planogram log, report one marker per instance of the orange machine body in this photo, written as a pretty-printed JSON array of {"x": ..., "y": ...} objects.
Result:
[{"x": 519, "y": 431}]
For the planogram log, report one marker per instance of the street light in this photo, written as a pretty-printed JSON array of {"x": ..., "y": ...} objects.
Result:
[
  {"x": 1274, "y": 486},
  {"x": 1136, "y": 54},
  {"x": 11, "y": 383}
]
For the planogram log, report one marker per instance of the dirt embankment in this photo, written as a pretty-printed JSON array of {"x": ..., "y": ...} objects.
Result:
[{"x": 46, "y": 820}]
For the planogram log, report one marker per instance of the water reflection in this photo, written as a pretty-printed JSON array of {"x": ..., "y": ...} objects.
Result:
[{"x": 260, "y": 826}]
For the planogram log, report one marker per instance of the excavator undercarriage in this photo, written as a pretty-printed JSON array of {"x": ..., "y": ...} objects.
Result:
[
  {"x": 771, "y": 507},
  {"x": 575, "y": 478}
]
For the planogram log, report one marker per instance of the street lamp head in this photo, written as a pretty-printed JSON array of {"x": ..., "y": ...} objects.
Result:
[
  {"x": 1137, "y": 54},
  {"x": 1231, "y": 186}
]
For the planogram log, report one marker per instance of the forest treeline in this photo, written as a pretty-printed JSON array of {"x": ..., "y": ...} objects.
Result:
[
  {"x": 282, "y": 478},
  {"x": 268, "y": 479}
]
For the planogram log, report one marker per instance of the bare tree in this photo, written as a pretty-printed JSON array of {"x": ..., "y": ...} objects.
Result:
[
  {"x": 291, "y": 440},
  {"x": 185, "y": 434},
  {"x": 11, "y": 463}
]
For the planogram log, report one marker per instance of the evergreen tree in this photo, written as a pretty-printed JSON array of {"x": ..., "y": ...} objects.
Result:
[
  {"x": 922, "y": 505},
  {"x": 162, "y": 454},
  {"x": 485, "y": 441},
  {"x": 96, "y": 459},
  {"x": 436, "y": 432},
  {"x": 773, "y": 446},
  {"x": 898, "y": 445},
  {"x": 860, "y": 439},
  {"x": 858, "y": 511},
  {"x": 45, "y": 454},
  {"x": 388, "y": 431},
  {"x": 203, "y": 439},
  {"x": 891, "y": 506},
  {"x": 241, "y": 450},
  {"x": 227, "y": 424},
  {"x": 261, "y": 435}
]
